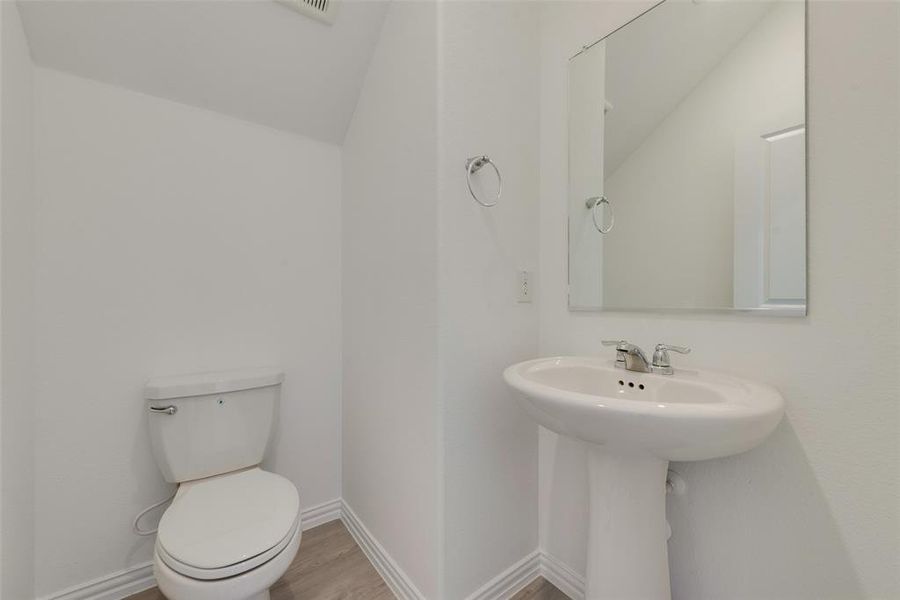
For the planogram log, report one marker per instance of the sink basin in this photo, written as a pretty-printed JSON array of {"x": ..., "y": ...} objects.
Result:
[
  {"x": 690, "y": 415},
  {"x": 634, "y": 424}
]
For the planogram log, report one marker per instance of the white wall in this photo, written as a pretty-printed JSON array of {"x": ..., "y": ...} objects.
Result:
[
  {"x": 170, "y": 239},
  {"x": 16, "y": 311},
  {"x": 440, "y": 463},
  {"x": 814, "y": 512},
  {"x": 391, "y": 463},
  {"x": 686, "y": 209},
  {"x": 489, "y": 77}
]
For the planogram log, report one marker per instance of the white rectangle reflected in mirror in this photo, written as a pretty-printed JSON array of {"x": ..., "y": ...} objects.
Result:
[{"x": 687, "y": 161}]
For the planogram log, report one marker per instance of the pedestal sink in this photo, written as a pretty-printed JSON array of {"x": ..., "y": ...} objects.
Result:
[{"x": 634, "y": 424}]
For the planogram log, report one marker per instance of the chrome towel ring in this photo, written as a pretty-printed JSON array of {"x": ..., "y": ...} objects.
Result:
[
  {"x": 595, "y": 201},
  {"x": 473, "y": 165}
]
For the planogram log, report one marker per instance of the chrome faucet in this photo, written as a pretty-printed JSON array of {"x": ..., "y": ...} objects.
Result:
[
  {"x": 632, "y": 358},
  {"x": 629, "y": 356}
]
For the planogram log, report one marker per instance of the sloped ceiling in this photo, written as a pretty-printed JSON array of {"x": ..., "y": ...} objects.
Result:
[
  {"x": 255, "y": 60},
  {"x": 656, "y": 61}
]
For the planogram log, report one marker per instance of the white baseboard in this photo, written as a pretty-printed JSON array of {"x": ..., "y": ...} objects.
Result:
[
  {"x": 390, "y": 571},
  {"x": 537, "y": 564},
  {"x": 505, "y": 585},
  {"x": 111, "y": 587},
  {"x": 562, "y": 576},
  {"x": 508, "y": 583},
  {"x": 137, "y": 579},
  {"x": 321, "y": 514}
]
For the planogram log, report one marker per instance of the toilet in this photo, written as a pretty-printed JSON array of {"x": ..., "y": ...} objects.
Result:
[{"x": 232, "y": 528}]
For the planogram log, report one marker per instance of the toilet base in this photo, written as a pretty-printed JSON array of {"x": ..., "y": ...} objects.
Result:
[{"x": 176, "y": 586}]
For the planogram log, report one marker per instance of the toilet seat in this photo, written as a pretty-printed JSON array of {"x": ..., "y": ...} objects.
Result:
[
  {"x": 195, "y": 572},
  {"x": 254, "y": 584},
  {"x": 227, "y": 525}
]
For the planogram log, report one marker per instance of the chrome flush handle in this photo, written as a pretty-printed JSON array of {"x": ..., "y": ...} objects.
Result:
[{"x": 164, "y": 410}]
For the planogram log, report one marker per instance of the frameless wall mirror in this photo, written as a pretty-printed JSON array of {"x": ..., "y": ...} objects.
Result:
[{"x": 687, "y": 161}]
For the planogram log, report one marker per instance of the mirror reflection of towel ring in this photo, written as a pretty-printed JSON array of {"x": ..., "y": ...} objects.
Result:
[
  {"x": 473, "y": 165},
  {"x": 593, "y": 203}
]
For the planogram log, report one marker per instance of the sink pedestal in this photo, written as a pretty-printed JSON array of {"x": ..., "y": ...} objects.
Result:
[
  {"x": 627, "y": 556},
  {"x": 632, "y": 432}
]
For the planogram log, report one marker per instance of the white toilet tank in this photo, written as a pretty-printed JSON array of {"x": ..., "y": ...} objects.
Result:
[{"x": 211, "y": 423}]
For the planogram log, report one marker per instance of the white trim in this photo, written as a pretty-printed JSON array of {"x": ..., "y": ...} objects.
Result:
[
  {"x": 321, "y": 514},
  {"x": 111, "y": 587},
  {"x": 137, "y": 579},
  {"x": 566, "y": 579},
  {"x": 537, "y": 564},
  {"x": 511, "y": 581},
  {"x": 399, "y": 582}
]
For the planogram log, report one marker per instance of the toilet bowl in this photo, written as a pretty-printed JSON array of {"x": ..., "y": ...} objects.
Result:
[
  {"x": 232, "y": 529},
  {"x": 228, "y": 537}
]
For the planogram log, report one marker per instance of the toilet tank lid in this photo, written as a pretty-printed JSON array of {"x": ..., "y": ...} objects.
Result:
[{"x": 216, "y": 382}]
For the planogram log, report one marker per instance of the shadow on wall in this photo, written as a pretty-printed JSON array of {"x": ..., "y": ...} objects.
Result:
[
  {"x": 147, "y": 490},
  {"x": 564, "y": 533},
  {"x": 745, "y": 528}
]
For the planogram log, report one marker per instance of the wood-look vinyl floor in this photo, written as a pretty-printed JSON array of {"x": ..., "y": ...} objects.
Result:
[
  {"x": 330, "y": 566},
  {"x": 540, "y": 589}
]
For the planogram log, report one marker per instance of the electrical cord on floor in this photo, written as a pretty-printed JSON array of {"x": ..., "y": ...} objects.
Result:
[{"x": 135, "y": 525}]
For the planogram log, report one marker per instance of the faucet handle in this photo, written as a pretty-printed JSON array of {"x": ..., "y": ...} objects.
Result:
[
  {"x": 661, "y": 362},
  {"x": 669, "y": 347},
  {"x": 620, "y": 347}
]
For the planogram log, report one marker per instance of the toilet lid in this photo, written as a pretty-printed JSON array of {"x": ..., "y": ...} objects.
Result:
[{"x": 222, "y": 521}]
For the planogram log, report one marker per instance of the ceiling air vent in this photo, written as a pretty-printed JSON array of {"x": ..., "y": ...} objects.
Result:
[{"x": 320, "y": 10}]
